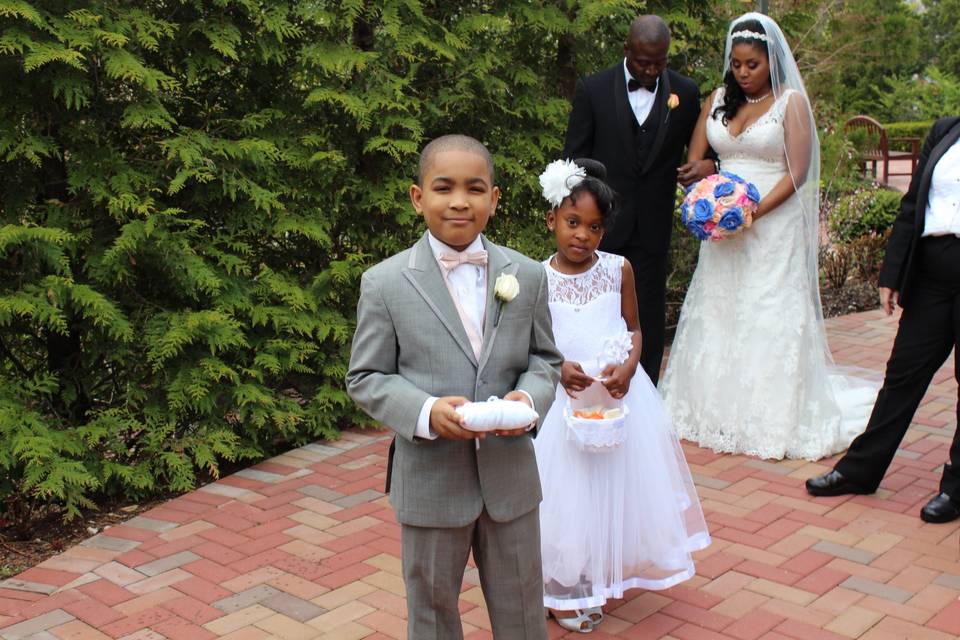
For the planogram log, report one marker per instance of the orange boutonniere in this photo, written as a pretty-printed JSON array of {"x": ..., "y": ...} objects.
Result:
[{"x": 673, "y": 101}]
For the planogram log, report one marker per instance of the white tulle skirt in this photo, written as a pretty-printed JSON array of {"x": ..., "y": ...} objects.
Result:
[{"x": 616, "y": 520}]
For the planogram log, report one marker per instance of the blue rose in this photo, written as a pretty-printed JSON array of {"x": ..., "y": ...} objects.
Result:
[
  {"x": 702, "y": 211},
  {"x": 684, "y": 212},
  {"x": 731, "y": 219},
  {"x": 752, "y": 192},
  {"x": 723, "y": 189},
  {"x": 697, "y": 230},
  {"x": 732, "y": 176}
]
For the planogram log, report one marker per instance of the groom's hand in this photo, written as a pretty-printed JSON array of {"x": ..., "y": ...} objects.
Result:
[
  {"x": 447, "y": 423},
  {"x": 694, "y": 171},
  {"x": 889, "y": 299}
]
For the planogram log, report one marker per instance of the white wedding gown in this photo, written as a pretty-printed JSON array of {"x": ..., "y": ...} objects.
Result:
[
  {"x": 624, "y": 518},
  {"x": 747, "y": 372}
]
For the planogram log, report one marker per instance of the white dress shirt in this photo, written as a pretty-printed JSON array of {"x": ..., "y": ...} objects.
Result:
[
  {"x": 942, "y": 217},
  {"x": 641, "y": 100},
  {"x": 469, "y": 281}
]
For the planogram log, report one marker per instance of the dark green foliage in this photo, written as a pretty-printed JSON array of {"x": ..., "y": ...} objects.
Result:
[
  {"x": 189, "y": 192},
  {"x": 942, "y": 41},
  {"x": 846, "y": 49},
  {"x": 928, "y": 95},
  {"x": 864, "y": 210}
]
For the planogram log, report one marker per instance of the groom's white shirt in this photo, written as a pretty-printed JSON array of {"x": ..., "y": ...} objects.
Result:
[
  {"x": 641, "y": 100},
  {"x": 942, "y": 217}
]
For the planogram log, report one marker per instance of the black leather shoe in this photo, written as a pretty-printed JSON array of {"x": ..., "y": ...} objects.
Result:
[
  {"x": 833, "y": 484},
  {"x": 940, "y": 509}
]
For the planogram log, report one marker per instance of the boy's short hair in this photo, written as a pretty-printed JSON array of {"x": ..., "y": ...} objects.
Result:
[{"x": 452, "y": 142}]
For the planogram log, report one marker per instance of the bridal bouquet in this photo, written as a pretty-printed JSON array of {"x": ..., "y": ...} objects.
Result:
[{"x": 719, "y": 206}]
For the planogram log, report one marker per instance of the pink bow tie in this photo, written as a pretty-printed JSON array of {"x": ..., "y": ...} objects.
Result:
[{"x": 450, "y": 261}]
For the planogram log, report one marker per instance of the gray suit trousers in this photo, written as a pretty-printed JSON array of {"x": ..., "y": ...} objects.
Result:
[{"x": 507, "y": 555}]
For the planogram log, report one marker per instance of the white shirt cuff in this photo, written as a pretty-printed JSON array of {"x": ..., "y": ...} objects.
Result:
[
  {"x": 423, "y": 429},
  {"x": 534, "y": 423}
]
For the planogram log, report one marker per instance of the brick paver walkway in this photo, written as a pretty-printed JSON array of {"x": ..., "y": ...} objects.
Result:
[{"x": 306, "y": 546}]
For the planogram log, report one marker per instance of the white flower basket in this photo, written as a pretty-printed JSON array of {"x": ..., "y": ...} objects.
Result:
[{"x": 595, "y": 435}]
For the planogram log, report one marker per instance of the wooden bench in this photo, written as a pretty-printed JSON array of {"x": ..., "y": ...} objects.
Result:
[{"x": 876, "y": 148}]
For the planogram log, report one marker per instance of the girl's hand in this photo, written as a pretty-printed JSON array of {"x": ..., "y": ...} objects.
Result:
[
  {"x": 617, "y": 379},
  {"x": 573, "y": 378}
]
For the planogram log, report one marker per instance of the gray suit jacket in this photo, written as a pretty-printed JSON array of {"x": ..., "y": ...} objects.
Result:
[{"x": 410, "y": 344}]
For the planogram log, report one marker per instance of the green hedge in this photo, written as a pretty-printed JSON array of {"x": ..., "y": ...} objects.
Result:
[
  {"x": 189, "y": 192},
  {"x": 917, "y": 130}
]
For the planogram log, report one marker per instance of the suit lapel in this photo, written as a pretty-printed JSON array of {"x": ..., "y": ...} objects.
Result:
[
  {"x": 625, "y": 116},
  {"x": 424, "y": 274},
  {"x": 498, "y": 262},
  {"x": 941, "y": 148},
  {"x": 663, "y": 119}
]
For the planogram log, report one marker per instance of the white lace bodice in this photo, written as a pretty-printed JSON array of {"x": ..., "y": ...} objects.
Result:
[
  {"x": 760, "y": 141},
  {"x": 586, "y": 307},
  {"x": 579, "y": 289}
]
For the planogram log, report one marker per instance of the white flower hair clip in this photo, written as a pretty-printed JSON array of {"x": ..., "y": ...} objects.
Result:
[{"x": 559, "y": 179}]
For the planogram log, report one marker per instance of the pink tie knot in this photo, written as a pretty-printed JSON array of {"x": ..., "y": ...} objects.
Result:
[{"x": 450, "y": 261}]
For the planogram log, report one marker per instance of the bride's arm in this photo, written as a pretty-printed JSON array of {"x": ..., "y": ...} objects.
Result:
[
  {"x": 697, "y": 149},
  {"x": 797, "y": 137}
]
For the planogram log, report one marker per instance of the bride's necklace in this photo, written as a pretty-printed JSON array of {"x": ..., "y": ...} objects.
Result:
[{"x": 758, "y": 100}]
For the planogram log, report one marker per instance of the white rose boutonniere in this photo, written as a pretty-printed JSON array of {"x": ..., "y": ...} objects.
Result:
[{"x": 505, "y": 289}]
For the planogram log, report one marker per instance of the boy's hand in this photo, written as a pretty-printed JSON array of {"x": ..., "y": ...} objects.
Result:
[
  {"x": 447, "y": 423},
  {"x": 617, "y": 379},
  {"x": 521, "y": 397},
  {"x": 573, "y": 378}
]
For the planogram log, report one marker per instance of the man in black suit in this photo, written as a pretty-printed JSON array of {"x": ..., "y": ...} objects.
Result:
[
  {"x": 921, "y": 273},
  {"x": 637, "y": 118}
]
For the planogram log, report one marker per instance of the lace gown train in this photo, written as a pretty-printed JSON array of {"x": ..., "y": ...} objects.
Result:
[
  {"x": 625, "y": 518},
  {"x": 747, "y": 372}
]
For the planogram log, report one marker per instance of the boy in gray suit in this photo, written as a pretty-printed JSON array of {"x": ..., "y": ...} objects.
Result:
[{"x": 432, "y": 334}]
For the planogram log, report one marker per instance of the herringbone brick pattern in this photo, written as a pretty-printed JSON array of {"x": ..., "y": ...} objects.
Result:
[{"x": 306, "y": 546}]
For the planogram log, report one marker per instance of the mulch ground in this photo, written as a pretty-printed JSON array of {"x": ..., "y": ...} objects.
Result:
[{"x": 22, "y": 547}]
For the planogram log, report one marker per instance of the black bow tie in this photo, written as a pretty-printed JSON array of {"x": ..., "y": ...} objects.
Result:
[{"x": 635, "y": 84}]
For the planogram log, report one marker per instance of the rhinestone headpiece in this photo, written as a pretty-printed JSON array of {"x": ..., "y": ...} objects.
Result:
[{"x": 749, "y": 35}]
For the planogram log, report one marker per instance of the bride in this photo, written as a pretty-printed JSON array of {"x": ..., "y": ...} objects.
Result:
[{"x": 749, "y": 371}]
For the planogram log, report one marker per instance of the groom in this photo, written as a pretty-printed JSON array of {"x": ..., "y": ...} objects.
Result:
[{"x": 637, "y": 118}]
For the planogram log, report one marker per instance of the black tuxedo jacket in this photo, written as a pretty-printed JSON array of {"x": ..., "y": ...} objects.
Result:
[
  {"x": 899, "y": 264},
  {"x": 601, "y": 127}
]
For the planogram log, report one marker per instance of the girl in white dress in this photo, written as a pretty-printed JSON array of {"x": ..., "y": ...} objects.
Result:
[
  {"x": 627, "y": 517},
  {"x": 749, "y": 370}
]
